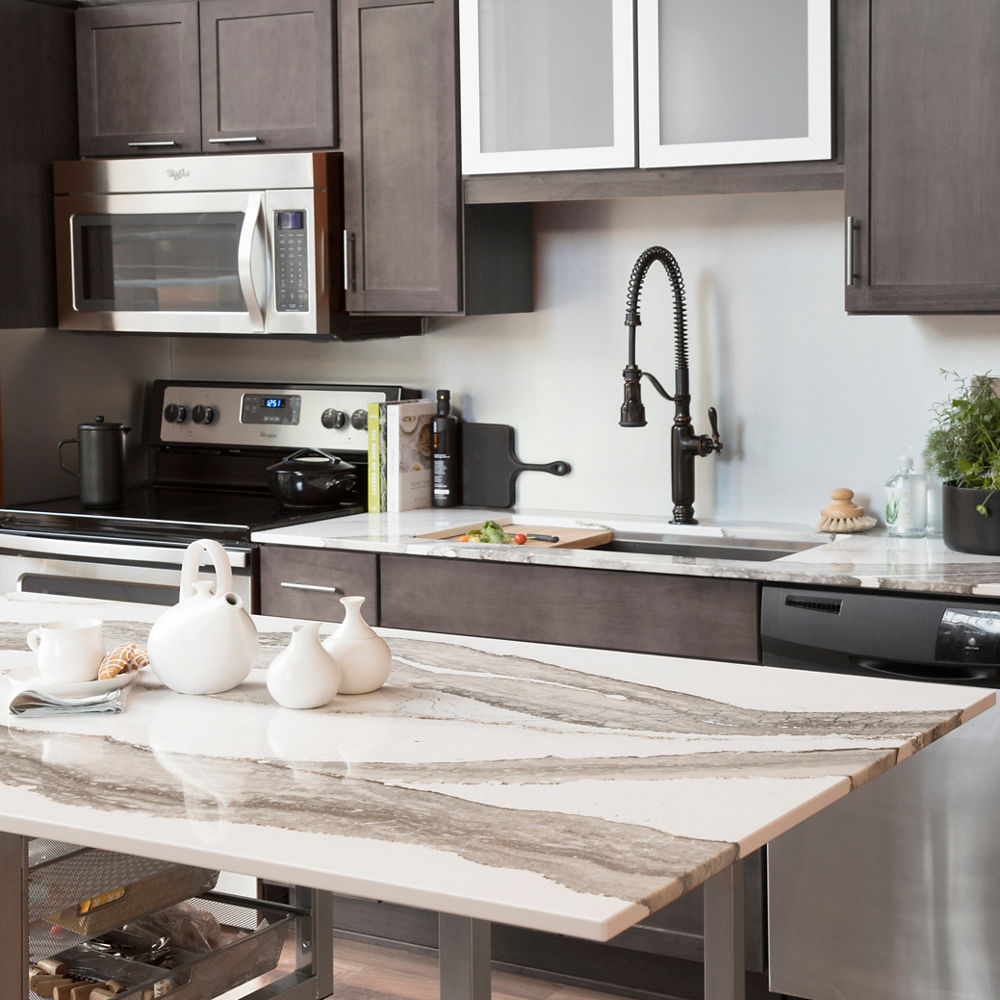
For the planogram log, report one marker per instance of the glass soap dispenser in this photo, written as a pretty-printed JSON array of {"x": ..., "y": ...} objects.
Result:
[{"x": 906, "y": 500}]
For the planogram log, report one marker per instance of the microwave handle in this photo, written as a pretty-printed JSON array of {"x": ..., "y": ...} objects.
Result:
[{"x": 244, "y": 256}]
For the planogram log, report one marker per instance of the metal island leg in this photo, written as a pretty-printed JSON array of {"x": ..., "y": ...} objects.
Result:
[
  {"x": 13, "y": 915},
  {"x": 464, "y": 958},
  {"x": 725, "y": 968}
]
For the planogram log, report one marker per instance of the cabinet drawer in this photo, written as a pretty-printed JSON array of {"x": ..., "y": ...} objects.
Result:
[
  {"x": 86, "y": 891},
  {"x": 635, "y": 612},
  {"x": 308, "y": 583},
  {"x": 192, "y": 952}
]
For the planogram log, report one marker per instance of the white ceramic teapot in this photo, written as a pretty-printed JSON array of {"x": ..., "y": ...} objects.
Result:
[{"x": 207, "y": 643}]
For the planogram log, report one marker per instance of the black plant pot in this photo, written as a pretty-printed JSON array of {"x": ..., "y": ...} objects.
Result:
[{"x": 963, "y": 527}]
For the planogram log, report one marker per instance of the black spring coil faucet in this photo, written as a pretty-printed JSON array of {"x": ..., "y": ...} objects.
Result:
[{"x": 684, "y": 443}]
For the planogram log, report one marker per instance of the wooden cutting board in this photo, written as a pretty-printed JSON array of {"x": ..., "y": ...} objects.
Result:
[{"x": 569, "y": 538}]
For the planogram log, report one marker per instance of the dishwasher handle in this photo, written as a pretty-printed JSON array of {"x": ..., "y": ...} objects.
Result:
[{"x": 953, "y": 673}]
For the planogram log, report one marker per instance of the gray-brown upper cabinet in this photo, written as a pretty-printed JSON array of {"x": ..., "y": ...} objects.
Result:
[
  {"x": 138, "y": 88},
  {"x": 922, "y": 154},
  {"x": 216, "y": 76},
  {"x": 37, "y": 107},
  {"x": 411, "y": 247},
  {"x": 559, "y": 85},
  {"x": 268, "y": 76}
]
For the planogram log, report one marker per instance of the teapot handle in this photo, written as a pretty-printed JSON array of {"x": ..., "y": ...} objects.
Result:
[{"x": 192, "y": 561}]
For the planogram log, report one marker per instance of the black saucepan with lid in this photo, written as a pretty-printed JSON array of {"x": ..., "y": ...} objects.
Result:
[{"x": 312, "y": 477}]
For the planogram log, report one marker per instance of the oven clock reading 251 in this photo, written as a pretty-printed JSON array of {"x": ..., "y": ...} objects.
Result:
[{"x": 271, "y": 409}]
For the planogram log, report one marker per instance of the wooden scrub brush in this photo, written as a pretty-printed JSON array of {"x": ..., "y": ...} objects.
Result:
[{"x": 843, "y": 515}]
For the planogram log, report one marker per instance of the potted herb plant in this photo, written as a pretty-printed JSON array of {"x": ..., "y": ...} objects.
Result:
[{"x": 963, "y": 451}]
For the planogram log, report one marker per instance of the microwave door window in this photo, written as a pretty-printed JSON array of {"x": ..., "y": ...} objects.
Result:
[{"x": 158, "y": 262}]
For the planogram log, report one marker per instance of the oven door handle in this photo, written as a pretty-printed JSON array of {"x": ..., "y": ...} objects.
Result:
[{"x": 252, "y": 219}]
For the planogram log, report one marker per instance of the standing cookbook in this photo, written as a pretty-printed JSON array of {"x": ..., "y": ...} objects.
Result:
[{"x": 400, "y": 446}]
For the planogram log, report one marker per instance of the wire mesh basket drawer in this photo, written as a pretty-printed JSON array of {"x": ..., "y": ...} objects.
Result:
[
  {"x": 86, "y": 891},
  {"x": 194, "y": 951}
]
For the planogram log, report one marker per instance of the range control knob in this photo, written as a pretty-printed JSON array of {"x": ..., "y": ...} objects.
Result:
[
  {"x": 174, "y": 414},
  {"x": 359, "y": 420},
  {"x": 203, "y": 414},
  {"x": 333, "y": 418}
]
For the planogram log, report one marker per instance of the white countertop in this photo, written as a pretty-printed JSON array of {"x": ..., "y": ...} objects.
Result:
[
  {"x": 568, "y": 790},
  {"x": 867, "y": 559}
]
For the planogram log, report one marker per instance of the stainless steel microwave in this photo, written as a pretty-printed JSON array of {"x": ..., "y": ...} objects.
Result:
[{"x": 241, "y": 244}]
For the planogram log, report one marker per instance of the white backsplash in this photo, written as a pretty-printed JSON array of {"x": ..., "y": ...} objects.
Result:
[{"x": 808, "y": 398}]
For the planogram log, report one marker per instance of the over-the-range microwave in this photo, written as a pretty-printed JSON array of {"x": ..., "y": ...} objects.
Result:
[{"x": 240, "y": 244}]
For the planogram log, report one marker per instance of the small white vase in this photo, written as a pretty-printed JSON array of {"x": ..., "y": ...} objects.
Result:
[
  {"x": 364, "y": 658},
  {"x": 303, "y": 674}
]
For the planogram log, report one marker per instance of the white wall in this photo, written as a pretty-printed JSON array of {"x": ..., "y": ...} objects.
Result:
[{"x": 808, "y": 397}]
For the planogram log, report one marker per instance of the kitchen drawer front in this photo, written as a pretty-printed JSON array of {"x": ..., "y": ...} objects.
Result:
[
  {"x": 636, "y": 612},
  {"x": 215, "y": 944},
  {"x": 308, "y": 583}
]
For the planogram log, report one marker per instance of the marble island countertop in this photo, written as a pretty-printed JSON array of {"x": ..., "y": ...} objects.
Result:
[
  {"x": 568, "y": 790},
  {"x": 869, "y": 559}
]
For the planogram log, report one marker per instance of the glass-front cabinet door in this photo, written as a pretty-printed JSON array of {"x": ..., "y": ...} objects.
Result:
[
  {"x": 546, "y": 85},
  {"x": 733, "y": 81}
]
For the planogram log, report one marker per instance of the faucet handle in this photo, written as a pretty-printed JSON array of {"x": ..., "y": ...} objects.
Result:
[{"x": 713, "y": 419}]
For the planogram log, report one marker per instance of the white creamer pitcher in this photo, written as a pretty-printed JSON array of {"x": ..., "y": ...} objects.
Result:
[{"x": 207, "y": 643}]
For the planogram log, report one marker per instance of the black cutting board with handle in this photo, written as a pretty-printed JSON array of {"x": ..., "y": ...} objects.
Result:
[{"x": 490, "y": 466}]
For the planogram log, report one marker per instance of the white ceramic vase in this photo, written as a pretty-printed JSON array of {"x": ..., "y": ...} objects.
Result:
[
  {"x": 303, "y": 674},
  {"x": 364, "y": 658}
]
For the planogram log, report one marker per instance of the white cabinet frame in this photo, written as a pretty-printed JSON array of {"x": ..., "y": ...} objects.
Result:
[
  {"x": 621, "y": 153},
  {"x": 816, "y": 145}
]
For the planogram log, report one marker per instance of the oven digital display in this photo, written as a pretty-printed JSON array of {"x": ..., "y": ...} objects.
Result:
[{"x": 260, "y": 409}]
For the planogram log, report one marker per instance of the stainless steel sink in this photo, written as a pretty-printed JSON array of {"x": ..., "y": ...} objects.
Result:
[{"x": 750, "y": 549}]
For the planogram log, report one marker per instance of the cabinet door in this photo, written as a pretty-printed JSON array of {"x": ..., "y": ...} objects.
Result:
[
  {"x": 268, "y": 75},
  {"x": 607, "y": 609},
  {"x": 38, "y": 110},
  {"x": 401, "y": 182},
  {"x": 309, "y": 583},
  {"x": 137, "y": 79},
  {"x": 921, "y": 177},
  {"x": 546, "y": 85},
  {"x": 726, "y": 81}
]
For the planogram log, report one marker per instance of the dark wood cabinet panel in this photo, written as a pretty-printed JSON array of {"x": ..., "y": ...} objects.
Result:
[
  {"x": 38, "y": 111},
  {"x": 401, "y": 183},
  {"x": 137, "y": 79},
  {"x": 923, "y": 150},
  {"x": 268, "y": 75},
  {"x": 636, "y": 612},
  {"x": 306, "y": 583}
]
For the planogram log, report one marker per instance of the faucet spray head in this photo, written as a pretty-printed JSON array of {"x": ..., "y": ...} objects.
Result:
[{"x": 633, "y": 412}]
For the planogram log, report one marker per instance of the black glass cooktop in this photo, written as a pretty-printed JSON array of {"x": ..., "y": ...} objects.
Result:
[{"x": 165, "y": 514}]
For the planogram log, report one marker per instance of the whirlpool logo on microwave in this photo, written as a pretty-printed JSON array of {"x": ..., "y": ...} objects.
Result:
[
  {"x": 178, "y": 174},
  {"x": 268, "y": 435}
]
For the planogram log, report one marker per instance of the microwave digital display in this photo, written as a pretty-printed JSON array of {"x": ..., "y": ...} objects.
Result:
[
  {"x": 290, "y": 220},
  {"x": 259, "y": 409}
]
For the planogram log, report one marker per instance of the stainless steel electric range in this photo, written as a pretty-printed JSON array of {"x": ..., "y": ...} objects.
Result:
[{"x": 208, "y": 446}]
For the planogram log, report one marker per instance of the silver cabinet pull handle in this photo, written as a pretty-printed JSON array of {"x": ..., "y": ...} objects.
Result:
[
  {"x": 849, "y": 251},
  {"x": 237, "y": 138},
  {"x": 153, "y": 142},
  {"x": 311, "y": 586}
]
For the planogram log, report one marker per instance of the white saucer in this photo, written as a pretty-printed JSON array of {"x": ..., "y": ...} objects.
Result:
[{"x": 29, "y": 677}]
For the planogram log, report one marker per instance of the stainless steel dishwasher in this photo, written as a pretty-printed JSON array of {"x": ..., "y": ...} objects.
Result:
[{"x": 892, "y": 893}]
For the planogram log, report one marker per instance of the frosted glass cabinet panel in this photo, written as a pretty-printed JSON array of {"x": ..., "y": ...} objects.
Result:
[
  {"x": 733, "y": 81},
  {"x": 546, "y": 85}
]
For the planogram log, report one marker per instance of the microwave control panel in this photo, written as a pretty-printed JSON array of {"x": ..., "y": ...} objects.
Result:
[{"x": 291, "y": 275}]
